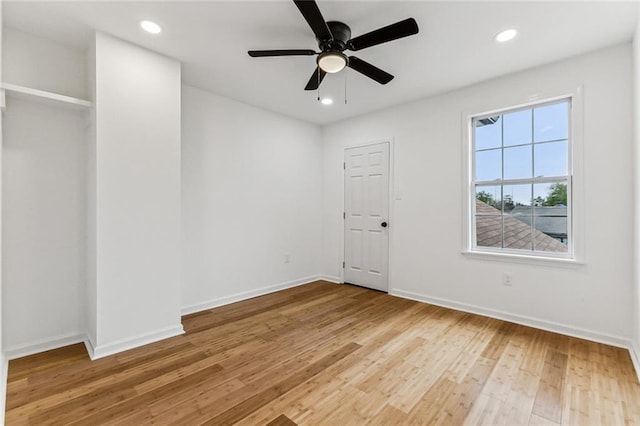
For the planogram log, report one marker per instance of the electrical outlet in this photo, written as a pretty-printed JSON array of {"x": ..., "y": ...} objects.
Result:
[
  {"x": 287, "y": 257},
  {"x": 507, "y": 278}
]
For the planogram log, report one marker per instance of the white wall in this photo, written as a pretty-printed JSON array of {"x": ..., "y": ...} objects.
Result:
[
  {"x": 593, "y": 300},
  {"x": 40, "y": 63},
  {"x": 43, "y": 221},
  {"x": 43, "y": 194},
  {"x": 251, "y": 192},
  {"x": 91, "y": 286},
  {"x": 137, "y": 194},
  {"x": 636, "y": 198},
  {"x": 4, "y": 366}
]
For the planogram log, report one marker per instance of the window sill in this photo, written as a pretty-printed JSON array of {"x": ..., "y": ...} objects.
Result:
[{"x": 518, "y": 258}]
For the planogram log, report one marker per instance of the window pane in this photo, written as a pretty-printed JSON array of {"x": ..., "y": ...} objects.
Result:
[
  {"x": 488, "y": 200},
  {"x": 488, "y": 165},
  {"x": 551, "y": 122},
  {"x": 517, "y": 232},
  {"x": 517, "y": 199},
  {"x": 517, "y": 128},
  {"x": 489, "y": 231},
  {"x": 517, "y": 162},
  {"x": 550, "y": 159},
  {"x": 489, "y": 133},
  {"x": 548, "y": 240},
  {"x": 550, "y": 194},
  {"x": 551, "y": 217},
  {"x": 488, "y": 216},
  {"x": 517, "y": 219}
]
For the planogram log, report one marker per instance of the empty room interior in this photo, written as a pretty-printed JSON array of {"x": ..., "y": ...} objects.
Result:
[{"x": 320, "y": 212}]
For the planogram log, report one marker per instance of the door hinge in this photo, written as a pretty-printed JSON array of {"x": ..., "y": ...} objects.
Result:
[
  {"x": 342, "y": 265},
  {"x": 344, "y": 215},
  {"x": 344, "y": 166}
]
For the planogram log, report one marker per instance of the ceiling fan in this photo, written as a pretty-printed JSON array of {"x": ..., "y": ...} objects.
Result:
[{"x": 334, "y": 38}]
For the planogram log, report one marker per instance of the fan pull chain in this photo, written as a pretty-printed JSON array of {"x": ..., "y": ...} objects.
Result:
[
  {"x": 318, "y": 74},
  {"x": 345, "y": 88}
]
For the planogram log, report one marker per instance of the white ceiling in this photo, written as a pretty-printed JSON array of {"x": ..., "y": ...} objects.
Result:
[{"x": 454, "y": 48}]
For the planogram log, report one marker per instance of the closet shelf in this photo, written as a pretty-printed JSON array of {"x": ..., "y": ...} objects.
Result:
[{"x": 22, "y": 92}]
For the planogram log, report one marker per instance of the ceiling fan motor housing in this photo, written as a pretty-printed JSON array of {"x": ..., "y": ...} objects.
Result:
[{"x": 341, "y": 35}]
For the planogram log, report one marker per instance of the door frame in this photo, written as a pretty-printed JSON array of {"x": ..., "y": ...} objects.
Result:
[{"x": 391, "y": 220}]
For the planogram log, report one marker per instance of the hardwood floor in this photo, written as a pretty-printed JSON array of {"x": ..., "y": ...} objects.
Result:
[{"x": 333, "y": 355}]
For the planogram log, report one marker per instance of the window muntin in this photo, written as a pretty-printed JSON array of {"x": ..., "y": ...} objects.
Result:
[{"x": 521, "y": 181}]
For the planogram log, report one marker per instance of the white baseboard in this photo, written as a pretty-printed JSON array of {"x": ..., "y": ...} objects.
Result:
[
  {"x": 89, "y": 346},
  {"x": 101, "y": 351},
  {"x": 94, "y": 352},
  {"x": 4, "y": 365},
  {"x": 226, "y": 300},
  {"x": 618, "y": 341},
  {"x": 331, "y": 279},
  {"x": 634, "y": 351},
  {"x": 43, "y": 345}
]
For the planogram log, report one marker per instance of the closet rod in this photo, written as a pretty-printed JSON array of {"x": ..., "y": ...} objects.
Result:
[{"x": 29, "y": 93}]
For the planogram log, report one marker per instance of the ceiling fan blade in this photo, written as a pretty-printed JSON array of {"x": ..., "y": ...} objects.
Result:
[
  {"x": 382, "y": 35},
  {"x": 315, "y": 80},
  {"x": 311, "y": 12},
  {"x": 369, "y": 70},
  {"x": 290, "y": 52}
]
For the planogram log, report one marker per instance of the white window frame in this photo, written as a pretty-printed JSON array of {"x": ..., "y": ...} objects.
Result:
[{"x": 575, "y": 216}]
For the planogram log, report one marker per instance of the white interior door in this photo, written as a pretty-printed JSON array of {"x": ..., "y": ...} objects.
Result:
[{"x": 366, "y": 218}]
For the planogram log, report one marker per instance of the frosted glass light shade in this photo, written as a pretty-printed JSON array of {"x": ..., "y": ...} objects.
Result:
[{"x": 332, "y": 62}]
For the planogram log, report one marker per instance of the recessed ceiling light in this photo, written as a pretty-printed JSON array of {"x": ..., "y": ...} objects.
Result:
[
  {"x": 326, "y": 101},
  {"x": 150, "y": 27},
  {"x": 506, "y": 35}
]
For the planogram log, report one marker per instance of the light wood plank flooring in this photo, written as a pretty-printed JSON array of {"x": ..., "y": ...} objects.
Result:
[{"x": 326, "y": 354}]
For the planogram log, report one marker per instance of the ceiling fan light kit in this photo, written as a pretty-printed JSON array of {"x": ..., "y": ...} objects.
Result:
[
  {"x": 334, "y": 38},
  {"x": 332, "y": 62}
]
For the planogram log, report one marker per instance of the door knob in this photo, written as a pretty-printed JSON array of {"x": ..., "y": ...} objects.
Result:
[{"x": 383, "y": 224}]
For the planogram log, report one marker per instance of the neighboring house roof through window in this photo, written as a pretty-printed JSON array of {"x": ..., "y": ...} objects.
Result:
[
  {"x": 552, "y": 220},
  {"x": 517, "y": 233}
]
